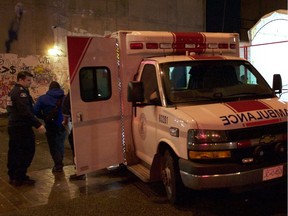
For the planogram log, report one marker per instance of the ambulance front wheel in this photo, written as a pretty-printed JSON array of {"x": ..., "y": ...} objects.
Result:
[{"x": 171, "y": 177}]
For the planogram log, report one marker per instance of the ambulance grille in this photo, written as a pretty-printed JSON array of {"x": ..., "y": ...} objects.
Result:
[
  {"x": 260, "y": 153},
  {"x": 257, "y": 132}
]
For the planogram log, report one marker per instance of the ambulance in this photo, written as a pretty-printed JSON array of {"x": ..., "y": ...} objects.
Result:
[{"x": 176, "y": 107}]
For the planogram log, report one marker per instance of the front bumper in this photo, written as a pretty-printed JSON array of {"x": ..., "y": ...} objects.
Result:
[{"x": 225, "y": 177}]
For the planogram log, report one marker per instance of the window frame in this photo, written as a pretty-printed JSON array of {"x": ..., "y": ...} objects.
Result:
[{"x": 95, "y": 88}]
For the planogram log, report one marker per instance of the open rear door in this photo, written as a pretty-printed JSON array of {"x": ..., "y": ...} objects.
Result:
[{"x": 95, "y": 102}]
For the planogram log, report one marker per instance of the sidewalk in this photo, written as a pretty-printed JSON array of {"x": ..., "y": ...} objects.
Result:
[
  {"x": 16, "y": 198},
  {"x": 105, "y": 192}
]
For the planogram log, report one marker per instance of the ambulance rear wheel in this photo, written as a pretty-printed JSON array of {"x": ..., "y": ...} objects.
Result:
[{"x": 171, "y": 177}]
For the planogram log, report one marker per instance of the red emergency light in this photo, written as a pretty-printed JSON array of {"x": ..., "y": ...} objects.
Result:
[
  {"x": 223, "y": 45},
  {"x": 184, "y": 46},
  {"x": 152, "y": 46},
  {"x": 136, "y": 45}
]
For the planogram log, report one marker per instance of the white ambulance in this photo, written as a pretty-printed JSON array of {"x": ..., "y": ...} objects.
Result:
[{"x": 178, "y": 107}]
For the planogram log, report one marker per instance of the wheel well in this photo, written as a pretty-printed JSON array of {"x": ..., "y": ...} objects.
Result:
[
  {"x": 163, "y": 147},
  {"x": 155, "y": 172}
]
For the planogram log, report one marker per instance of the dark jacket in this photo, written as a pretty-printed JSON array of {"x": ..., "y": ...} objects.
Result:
[
  {"x": 20, "y": 108},
  {"x": 66, "y": 106},
  {"x": 46, "y": 103}
]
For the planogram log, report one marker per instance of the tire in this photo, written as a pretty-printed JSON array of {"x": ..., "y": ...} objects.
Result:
[{"x": 171, "y": 177}]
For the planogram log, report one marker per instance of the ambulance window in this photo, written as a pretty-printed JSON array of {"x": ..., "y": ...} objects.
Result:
[
  {"x": 246, "y": 76},
  {"x": 95, "y": 83},
  {"x": 149, "y": 79},
  {"x": 178, "y": 76}
]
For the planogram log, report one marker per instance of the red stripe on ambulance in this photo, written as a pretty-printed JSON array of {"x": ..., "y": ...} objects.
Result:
[
  {"x": 182, "y": 41},
  {"x": 244, "y": 106},
  {"x": 258, "y": 123},
  {"x": 202, "y": 57},
  {"x": 79, "y": 46},
  {"x": 252, "y": 113}
]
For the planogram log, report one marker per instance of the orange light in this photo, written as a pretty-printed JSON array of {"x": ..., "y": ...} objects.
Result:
[{"x": 209, "y": 154}]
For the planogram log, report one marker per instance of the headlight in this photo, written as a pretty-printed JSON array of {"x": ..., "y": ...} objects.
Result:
[
  {"x": 206, "y": 136},
  {"x": 208, "y": 144}
]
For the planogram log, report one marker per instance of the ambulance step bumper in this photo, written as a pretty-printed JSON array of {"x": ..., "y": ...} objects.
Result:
[
  {"x": 140, "y": 171},
  {"x": 234, "y": 180}
]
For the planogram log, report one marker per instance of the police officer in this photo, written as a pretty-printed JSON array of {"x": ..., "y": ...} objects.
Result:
[{"x": 21, "y": 136}]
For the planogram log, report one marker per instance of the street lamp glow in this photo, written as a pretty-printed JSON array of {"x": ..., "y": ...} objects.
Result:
[{"x": 55, "y": 51}]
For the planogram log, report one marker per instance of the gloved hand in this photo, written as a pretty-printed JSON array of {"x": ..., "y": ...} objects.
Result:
[{"x": 41, "y": 129}]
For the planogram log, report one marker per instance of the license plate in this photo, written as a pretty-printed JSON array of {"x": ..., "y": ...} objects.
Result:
[{"x": 272, "y": 172}]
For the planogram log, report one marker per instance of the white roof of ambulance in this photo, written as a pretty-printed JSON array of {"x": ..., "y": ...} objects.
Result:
[{"x": 176, "y": 58}]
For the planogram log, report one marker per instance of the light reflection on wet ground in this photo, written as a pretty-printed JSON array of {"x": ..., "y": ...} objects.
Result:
[{"x": 50, "y": 188}]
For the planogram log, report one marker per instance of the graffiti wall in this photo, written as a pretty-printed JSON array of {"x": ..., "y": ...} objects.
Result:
[{"x": 44, "y": 69}]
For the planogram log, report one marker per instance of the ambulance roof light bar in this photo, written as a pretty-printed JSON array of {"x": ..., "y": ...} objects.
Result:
[
  {"x": 180, "y": 43},
  {"x": 186, "y": 47}
]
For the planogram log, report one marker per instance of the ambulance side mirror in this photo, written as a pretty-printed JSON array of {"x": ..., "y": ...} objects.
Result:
[
  {"x": 135, "y": 92},
  {"x": 277, "y": 83}
]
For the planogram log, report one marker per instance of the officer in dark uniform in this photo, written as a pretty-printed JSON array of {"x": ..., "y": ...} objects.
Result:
[{"x": 21, "y": 136}]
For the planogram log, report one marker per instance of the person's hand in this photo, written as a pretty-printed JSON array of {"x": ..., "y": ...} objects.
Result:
[
  {"x": 41, "y": 129},
  {"x": 65, "y": 121}
]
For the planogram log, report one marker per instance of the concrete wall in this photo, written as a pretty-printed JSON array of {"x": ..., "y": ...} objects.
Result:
[
  {"x": 30, "y": 27},
  {"x": 30, "y": 23}
]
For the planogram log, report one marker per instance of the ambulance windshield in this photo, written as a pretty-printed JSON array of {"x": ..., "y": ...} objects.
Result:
[{"x": 212, "y": 80}]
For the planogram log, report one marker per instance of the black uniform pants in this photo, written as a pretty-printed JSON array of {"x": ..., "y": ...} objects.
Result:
[
  {"x": 56, "y": 138},
  {"x": 21, "y": 151}
]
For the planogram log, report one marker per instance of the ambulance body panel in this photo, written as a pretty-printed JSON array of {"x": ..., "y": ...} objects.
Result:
[{"x": 178, "y": 107}]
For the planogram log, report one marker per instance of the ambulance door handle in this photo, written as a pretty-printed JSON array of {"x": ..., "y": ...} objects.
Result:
[{"x": 79, "y": 116}]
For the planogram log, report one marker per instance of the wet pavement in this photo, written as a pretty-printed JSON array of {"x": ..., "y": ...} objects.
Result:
[
  {"x": 117, "y": 192},
  {"x": 54, "y": 194}
]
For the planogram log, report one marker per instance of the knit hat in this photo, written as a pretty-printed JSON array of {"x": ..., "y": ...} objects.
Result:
[{"x": 54, "y": 85}]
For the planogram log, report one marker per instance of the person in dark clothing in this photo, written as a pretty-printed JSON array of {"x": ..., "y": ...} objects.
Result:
[
  {"x": 21, "y": 135},
  {"x": 49, "y": 108},
  {"x": 66, "y": 110}
]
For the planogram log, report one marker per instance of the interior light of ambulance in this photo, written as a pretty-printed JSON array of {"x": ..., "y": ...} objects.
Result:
[
  {"x": 136, "y": 45},
  {"x": 209, "y": 154},
  {"x": 151, "y": 45}
]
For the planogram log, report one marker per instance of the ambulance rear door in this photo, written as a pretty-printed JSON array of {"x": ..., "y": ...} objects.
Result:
[{"x": 95, "y": 102}]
